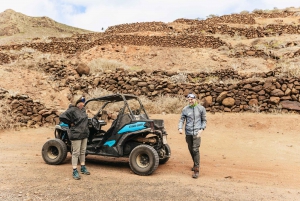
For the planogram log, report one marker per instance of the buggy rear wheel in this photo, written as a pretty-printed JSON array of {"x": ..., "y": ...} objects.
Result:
[
  {"x": 143, "y": 160},
  {"x": 54, "y": 151}
]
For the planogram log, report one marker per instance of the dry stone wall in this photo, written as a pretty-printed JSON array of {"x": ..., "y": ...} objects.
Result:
[
  {"x": 235, "y": 18},
  {"x": 268, "y": 94},
  {"x": 138, "y": 27},
  {"x": 5, "y": 58},
  {"x": 28, "y": 112},
  {"x": 159, "y": 41},
  {"x": 264, "y": 93},
  {"x": 258, "y": 91}
]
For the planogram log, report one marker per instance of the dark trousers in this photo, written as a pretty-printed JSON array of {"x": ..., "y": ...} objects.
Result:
[{"x": 194, "y": 145}]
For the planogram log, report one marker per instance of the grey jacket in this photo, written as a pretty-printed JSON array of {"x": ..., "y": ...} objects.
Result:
[
  {"x": 195, "y": 118},
  {"x": 73, "y": 115}
]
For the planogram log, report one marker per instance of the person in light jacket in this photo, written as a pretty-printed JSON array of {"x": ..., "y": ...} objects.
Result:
[
  {"x": 194, "y": 117},
  {"x": 75, "y": 116}
]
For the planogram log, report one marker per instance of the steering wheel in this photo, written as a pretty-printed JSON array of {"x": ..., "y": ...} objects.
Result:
[{"x": 95, "y": 123}]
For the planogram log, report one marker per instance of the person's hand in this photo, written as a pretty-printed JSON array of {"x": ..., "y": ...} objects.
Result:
[
  {"x": 199, "y": 133},
  {"x": 180, "y": 131}
]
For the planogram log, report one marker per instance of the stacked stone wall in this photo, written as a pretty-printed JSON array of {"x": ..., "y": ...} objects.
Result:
[
  {"x": 5, "y": 58},
  {"x": 159, "y": 41},
  {"x": 138, "y": 27},
  {"x": 260, "y": 91},
  {"x": 27, "y": 112}
]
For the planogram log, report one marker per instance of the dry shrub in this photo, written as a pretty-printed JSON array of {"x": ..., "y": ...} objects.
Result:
[
  {"x": 161, "y": 104},
  {"x": 101, "y": 65},
  {"x": 231, "y": 81},
  {"x": 212, "y": 79},
  {"x": 244, "y": 12},
  {"x": 164, "y": 104},
  {"x": 290, "y": 69},
  {"x": 179, "y": 78},
  {"x": 7, "y": 120}
]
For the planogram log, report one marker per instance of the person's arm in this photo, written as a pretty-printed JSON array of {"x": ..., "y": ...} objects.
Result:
[
  {"x": 181, "y": 122},
  {"x": 66, "y": 117},
  {"x": 203, "y": 118}
]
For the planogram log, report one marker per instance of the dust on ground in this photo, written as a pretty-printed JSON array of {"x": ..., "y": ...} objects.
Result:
[{"x": 243, "y": 157}]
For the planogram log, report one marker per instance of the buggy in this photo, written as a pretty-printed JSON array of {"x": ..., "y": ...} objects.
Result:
[{"x": 130, "y": 134}]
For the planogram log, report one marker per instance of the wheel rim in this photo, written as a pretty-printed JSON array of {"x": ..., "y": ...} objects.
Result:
[
  {"x": 53, "y": 152},
  {"x": 143, "y": 160}
]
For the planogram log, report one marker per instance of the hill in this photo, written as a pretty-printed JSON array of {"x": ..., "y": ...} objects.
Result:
[
  {"x": 234, "y": 63},
  {"x": 17, "y": 27}
]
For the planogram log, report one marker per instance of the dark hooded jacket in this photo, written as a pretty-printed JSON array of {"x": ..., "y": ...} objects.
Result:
[{"x": 79, "y": 121}]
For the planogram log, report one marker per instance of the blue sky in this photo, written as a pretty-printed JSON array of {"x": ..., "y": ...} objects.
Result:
[{"x": 97, "y": 14}]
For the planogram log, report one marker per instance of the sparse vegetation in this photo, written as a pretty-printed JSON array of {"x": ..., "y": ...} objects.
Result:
[
  {"x": 211, "y": 16},
  {"x": 161, "y": 104},
  {"x": 212, "y": 79},
  {"x": 289, "y": 69},
  {"x": 179, "y": 78},
  {"x": 7, "y": 120},
  {"x": 244, "y": 12},
  {"x": 255, "y": 108},
  {"x": 277, "y": 109},
  {"x": 101, "y": 65}
]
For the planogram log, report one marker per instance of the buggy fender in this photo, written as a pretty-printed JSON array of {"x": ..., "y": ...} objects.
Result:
[{"x": 125, "y": 136}]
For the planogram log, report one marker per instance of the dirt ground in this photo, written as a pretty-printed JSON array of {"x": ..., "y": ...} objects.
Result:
[{"x": 243, "y": 157}]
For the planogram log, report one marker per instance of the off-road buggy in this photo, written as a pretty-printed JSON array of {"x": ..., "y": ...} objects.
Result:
[{"x": 131, "y": 134}]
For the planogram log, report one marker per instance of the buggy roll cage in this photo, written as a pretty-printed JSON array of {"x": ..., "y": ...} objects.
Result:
[{"x": 118, "y": 98}]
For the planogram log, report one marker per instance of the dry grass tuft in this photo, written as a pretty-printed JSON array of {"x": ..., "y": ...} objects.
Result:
[
  {"x": 179, "y": 78},
  {"x": 101, "y": 65},
  {"x": 164, "y": 104},
  {"x": 161, "y": 104},
  {"x": 289, "y": 69},
  {"x": 7, "y": 120}
]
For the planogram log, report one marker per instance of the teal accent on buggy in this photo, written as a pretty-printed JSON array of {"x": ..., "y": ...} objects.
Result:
[
  {"x": 110, "y": 143},
  {"x": 63, "y": 124},
  {"x": 132, "y": 127}
]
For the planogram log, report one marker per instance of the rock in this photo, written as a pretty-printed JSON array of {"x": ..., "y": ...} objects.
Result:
[
  {"x": 83, "y": 69},
  {"x": 207, "y": 101},
  {"x": 277, "y": 92},
  {"x": 253, "y": 102},
  {"x": 222, "y": 96},
  {"x": 250, "y": 53},
  {"x": 257, "y": 88},
  {"x": 228, "y": 102},
  {"x": 290, "y": 105}
]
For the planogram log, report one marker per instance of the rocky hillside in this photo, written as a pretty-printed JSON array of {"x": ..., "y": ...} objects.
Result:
[
  {"x": 14, "y": 25},
  {"x": 234, "y": 63}
]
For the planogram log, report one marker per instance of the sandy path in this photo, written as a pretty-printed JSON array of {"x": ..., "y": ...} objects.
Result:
[{"x": 243, "y": 157}]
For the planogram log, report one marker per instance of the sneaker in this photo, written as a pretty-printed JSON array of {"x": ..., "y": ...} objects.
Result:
[
  {"x": 84, "y": 170},
  {"x": 196, "y": 173},
  {"x": 76, "y": 174}
]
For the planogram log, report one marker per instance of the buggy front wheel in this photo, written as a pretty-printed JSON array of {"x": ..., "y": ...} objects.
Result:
[
  {"x": 143, "y": 160},
  {"x": 54, "y": 151}
]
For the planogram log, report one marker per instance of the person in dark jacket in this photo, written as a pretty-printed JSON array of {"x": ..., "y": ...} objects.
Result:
[
  {"x": 77, "y": 119},
  {"x": 194, "y": 116}
]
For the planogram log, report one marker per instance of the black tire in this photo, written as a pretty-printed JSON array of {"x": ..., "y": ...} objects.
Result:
[
  {"x": 54, "y": 151},
  {"x": 143, "y": 160},
  {"x": 167, "y": 154}
]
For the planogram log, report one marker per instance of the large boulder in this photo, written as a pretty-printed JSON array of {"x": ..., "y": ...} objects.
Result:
[
  {"x": 207, "y": 101},
  {"x": 83, "y": 69},
  {"x": 291, "y": 105}
]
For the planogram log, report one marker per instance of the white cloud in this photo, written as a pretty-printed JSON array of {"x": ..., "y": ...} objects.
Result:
[{"x": 95, "y": 14}]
